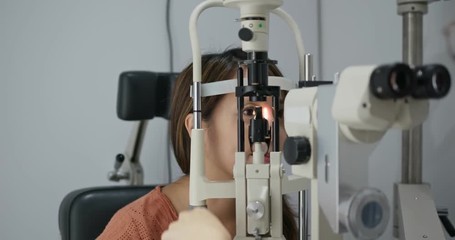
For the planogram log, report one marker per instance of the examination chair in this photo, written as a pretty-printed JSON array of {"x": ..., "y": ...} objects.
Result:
[{"x": 84, "y": 213}]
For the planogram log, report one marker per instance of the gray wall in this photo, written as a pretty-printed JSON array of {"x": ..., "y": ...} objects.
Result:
[{"x": 59, "y": 64}]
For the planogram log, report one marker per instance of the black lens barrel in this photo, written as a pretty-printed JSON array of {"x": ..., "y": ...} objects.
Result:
[
  {"x": 432, "y": 81},
  {"x": 259, "y": 127},
  {"x": 391, "y": 81},
  {"x": 398, "y": 80}
]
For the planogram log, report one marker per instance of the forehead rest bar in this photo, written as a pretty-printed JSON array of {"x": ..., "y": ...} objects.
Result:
[{"x": 228, "y": 86}]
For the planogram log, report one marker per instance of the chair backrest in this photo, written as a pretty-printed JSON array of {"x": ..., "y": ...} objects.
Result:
[{"x": 84, "y": 213}]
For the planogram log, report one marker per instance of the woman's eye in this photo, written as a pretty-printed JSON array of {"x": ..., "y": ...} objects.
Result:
[{"x": 248, "y": 112}]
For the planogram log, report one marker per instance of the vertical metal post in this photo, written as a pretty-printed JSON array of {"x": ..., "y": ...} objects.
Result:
[
  {"x": 412, "y": 12},
  {"x": 303, "y": 195},
  {"x": 408, "y": 195},
  {"x": 303, "y": 215},
  {"x": 308, "y": 63}
]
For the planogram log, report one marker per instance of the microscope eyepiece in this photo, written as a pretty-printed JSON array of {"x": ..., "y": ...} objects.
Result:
[
  {"x": 432, "y": 81},
  {"x": 391, "y": 81}
]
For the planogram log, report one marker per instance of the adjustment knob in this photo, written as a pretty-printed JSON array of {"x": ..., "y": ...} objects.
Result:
[
  {"x": 118, "y": 161},
  {"x": 245, "y": 34},
  {"x": 297, "y": 150}
]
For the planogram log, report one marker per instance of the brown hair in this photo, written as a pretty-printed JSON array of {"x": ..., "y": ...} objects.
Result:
[{"x": 215, "y": 67}]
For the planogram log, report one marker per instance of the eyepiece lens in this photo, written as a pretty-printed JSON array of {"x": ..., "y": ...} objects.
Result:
[
  {"x": 399, "y": 81},
  {"x": 439, "y": 82},
  {"x": 391, "y": 81},
  {"x": 433, "y": 81}
]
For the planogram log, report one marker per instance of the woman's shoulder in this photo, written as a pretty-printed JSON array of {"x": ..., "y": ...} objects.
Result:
[
  {"x": 153, "y": 204},
  {"x": 178, "y": 193},
  {"x": 145, "y": 218}
]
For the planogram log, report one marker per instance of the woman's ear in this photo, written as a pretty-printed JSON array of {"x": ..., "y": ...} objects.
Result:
[{"x": 189, "y": 123}]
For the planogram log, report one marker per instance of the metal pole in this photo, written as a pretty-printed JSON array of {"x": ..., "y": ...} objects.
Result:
[
  {"x": 412, "y": 12},
  {"x": 308, "y": 63},
  {"x": 303, "y": 195},
  {"x": 303, "y": 215}
]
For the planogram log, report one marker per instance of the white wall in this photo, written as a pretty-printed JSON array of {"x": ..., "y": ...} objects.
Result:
[
  {"x": 59, "y": 64},
  {"x": 358, "y": 32}
]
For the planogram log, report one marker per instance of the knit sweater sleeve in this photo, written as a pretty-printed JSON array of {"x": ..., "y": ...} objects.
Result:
[{"x": 144, "y": 219}]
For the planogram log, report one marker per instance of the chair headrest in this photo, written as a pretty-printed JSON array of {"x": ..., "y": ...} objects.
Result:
[{"x": 144, "y": 95}]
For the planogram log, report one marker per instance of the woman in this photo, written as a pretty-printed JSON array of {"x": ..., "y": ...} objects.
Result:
[{"x": 149, "y": 216}]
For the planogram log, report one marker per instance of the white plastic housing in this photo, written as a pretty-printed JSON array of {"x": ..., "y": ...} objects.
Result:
[
  {"x": 250, "y": 11},
  {"x": 356, "y": 107},
  {"x": 364, "y": 117},
  {"x": 300, "y": 121}
]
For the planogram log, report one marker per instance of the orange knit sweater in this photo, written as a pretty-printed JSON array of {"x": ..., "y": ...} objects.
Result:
[{"x": 144, "y": 219}]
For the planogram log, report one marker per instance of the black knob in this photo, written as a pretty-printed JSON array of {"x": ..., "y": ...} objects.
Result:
[
  {"x": 297, "y": 150},
  {"x": 118, "y": 161},
  {"x": 120, "y": 158},
  {"x": 245, "y": 34}
]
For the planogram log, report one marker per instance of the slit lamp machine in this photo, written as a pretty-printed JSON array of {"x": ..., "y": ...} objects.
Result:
[{"x": 332, "y": 127}]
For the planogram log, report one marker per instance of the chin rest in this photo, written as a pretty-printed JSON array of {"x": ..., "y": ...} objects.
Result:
[{"x": 84, "y": 213}]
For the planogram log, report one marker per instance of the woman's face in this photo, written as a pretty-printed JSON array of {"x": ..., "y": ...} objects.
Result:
[{"x": 221, "y": 135}]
